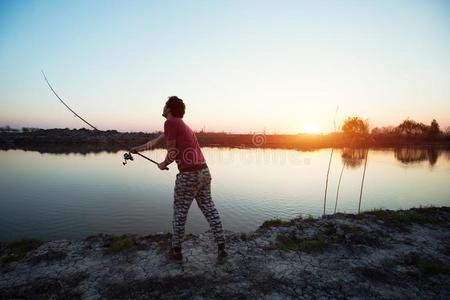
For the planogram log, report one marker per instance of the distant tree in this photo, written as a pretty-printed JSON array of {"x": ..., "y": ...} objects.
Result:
[
  {"x": 434, "y": 129},
  {"x": 376, "y": 130},
  {"x": 383, "y": 130},
  {"x": 355, "y": 126},
  {"x": 29, "y": 129},
  {"x": 406, "y": 127},
  {"x": 7, "y": 128},
  {"x": 422, "y": 129},
  {"x": 411, "y": 127}
]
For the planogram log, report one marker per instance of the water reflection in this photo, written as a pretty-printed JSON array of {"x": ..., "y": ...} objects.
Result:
[
  {"x": 417, "y": 155},
  {"x": 353, "y": 158},
  {"x": 75, "y": 195}
]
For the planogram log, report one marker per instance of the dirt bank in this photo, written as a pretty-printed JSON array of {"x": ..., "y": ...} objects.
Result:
[{"x": 379, "y": 254}]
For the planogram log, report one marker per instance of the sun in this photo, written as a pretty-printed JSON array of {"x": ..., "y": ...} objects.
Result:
[{"x": 311, "y": 129}]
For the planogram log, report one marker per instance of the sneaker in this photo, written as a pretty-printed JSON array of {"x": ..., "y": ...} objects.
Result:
[
  {"x": 221, "y": 253},
  {"x": 175, "y": 253}
]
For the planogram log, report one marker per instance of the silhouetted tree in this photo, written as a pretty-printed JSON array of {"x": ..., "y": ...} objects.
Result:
[
  {"x": 355, "y": 126},
  {"x": 411, "y": 127},
  {"x": 434, "y": 129},
  {"x": 7, "y": 128},
  {"x": 384, "y": 130},
  {"x": 406, "y": 127}
]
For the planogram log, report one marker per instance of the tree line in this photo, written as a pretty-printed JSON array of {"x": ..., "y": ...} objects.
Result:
[{"x": 356, "y": 126}]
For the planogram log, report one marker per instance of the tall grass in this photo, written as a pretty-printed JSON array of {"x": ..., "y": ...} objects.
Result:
[{"x": 329, "y": 165}]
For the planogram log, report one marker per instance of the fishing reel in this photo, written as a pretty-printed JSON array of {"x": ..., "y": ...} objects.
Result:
[{"x": 127, "y": 156}]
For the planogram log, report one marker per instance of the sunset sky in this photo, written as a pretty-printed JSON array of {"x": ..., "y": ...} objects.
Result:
[{"x": 240, "y": 66}]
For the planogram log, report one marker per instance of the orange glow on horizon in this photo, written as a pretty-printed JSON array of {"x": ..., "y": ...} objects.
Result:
[{"x": 311, "y": 128}]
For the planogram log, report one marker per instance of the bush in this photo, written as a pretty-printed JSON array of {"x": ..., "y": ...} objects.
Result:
[{"x": 16, "y": 250}]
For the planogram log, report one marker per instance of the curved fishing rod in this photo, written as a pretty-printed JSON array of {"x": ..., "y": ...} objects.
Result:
[{"x": 126, "y": 156}]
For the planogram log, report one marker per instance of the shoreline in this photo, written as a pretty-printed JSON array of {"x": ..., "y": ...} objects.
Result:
[
  {"x": 380, "y": 254},
  {"x": 84, "y": 140}
]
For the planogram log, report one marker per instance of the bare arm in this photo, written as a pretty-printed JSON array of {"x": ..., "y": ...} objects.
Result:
[
  {"x": 149, "y": 145},
  {"x": 171, "y": 154}
]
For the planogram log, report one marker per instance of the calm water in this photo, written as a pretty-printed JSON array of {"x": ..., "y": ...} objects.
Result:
[{"x": 52, "y": 196}]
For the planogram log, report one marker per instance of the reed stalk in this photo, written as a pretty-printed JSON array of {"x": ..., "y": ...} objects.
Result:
[
  {"x": 329, "y": 165},
  {"x": 362, "y": 181}
]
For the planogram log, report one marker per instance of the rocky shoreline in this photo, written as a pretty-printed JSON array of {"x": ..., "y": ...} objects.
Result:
[{"x": 379, "y": 254}]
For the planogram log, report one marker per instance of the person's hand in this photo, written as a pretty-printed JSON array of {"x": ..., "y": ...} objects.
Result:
[{"x": 162, "y": 165}]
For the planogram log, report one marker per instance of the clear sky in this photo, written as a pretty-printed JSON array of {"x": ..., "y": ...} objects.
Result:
[{"x": 240, "y": 66}]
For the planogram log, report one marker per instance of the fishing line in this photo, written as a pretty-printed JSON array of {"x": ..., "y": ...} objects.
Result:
[{"x": 126, "y": 155}]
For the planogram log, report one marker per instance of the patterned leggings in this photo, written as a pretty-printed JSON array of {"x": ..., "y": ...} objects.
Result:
[{"x": 190, "y": 185}]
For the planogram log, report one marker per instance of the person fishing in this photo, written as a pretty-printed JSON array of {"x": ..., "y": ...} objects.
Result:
[{"x": 193, "y": 179}]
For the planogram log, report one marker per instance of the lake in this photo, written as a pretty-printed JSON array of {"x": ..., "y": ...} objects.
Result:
[{"x": 56, "y": 196}]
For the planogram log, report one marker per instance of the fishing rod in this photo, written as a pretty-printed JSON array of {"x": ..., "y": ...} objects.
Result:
[{"x": 126, "y": 155}]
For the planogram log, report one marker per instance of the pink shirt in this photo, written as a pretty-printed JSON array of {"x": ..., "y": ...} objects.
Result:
[{"x": 188, "y": 153}]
